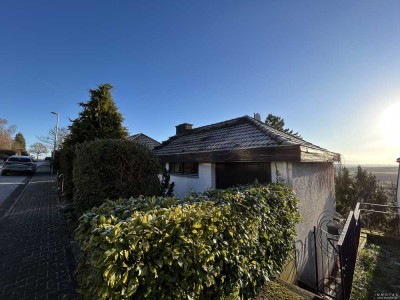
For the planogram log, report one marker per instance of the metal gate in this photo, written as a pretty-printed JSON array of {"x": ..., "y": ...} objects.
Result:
[{"x": 336, "y": 245}]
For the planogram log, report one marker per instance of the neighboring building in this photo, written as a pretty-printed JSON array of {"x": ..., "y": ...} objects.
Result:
[
  {"x": 240, "y": 150},
  {"x": 144, "y": 140}
]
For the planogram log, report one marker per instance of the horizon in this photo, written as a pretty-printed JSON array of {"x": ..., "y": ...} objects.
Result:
[{"x": 331, "y": 70}]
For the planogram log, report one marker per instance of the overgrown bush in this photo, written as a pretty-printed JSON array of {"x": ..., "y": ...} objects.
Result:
[
  {"x": 223, "y": 244},
  {"x": 166, "y": 186},
  {"x": 56, "y": 161},
  {"x": 112, "y": 169},
  {"x": 364, "y": 272},
  {"x": 67, "y": 156}
]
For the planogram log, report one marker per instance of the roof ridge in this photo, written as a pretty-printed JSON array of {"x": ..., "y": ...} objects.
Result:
[
  {"x": 201, "y": 128},
  {"x": 290, "y": 139},
  {"x": 214, "y": 125},
  {"x": 133, "y": 136},
  {"x": 270, "y": 132}
]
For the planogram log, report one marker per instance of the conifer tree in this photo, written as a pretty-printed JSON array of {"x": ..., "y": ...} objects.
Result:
[
  {"x": 19, "y": 142},
  {"x": 99, "y": 118},
  {"x": 279, "y": 123}
]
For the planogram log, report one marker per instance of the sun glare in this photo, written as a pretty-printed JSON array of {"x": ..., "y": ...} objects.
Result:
[{"x": 390, "y": 124}]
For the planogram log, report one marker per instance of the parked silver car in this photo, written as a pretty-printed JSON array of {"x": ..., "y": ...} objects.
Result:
[{"x": 19, "y": 164}]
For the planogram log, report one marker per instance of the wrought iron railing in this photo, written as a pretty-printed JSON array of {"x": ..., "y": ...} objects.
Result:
[{"x": 336, "y": 244}]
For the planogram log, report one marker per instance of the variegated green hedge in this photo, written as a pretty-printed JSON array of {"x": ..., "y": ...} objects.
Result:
[{"x": 223, "y": 244}]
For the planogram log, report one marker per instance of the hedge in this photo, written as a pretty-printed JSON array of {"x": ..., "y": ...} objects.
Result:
[
  {"x": 113, "y": 169},
  {"x": 67, "y": 156},
  {"x": 223, "y": 244}
]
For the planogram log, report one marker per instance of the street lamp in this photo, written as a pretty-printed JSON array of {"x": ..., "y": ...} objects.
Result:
[{"x": 55, "y": 143}]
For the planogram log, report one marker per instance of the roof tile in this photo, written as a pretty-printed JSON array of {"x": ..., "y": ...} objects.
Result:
[{"x": 240, "y": 133}]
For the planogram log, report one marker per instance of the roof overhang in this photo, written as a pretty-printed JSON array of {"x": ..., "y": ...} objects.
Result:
[
  {"x": 291, "y": 153},
  {"x": 262, "y": 154},
  {"x": 315, "y": 155}
]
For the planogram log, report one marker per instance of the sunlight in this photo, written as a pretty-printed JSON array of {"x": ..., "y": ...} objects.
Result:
[{"x": 390, "y": 124}]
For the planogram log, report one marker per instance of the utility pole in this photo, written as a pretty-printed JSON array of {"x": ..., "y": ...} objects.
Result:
[{"x": 55, "y": 142}]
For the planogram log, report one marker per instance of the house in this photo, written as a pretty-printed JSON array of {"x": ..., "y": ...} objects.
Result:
[
  {"x": 240, "y": 150},
  {"x": 144, "y": 140}
]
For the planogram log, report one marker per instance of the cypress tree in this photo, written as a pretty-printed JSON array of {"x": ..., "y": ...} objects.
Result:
[
  {"x": 99, "y": 118},
  {"x": 19, "y": 142}
]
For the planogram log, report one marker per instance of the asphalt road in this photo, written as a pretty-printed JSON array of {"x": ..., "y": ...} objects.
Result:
[
  {"x": 9, "y": 184},
  {"x": 12, "y": 182}
]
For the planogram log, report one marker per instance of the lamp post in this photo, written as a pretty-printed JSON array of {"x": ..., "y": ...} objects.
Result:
[{"x": 55, "y": 143}]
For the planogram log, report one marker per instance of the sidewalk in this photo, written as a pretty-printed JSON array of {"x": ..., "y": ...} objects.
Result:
[{"x": 33, "y": 243}]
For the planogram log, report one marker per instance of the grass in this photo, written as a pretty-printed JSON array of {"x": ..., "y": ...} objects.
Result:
[
  {"x": 377, "y": 270},
  {"x": 275, "y": 291}
]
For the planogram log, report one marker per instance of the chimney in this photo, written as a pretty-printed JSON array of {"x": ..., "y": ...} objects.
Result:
[{"x": 182, "y": 128}]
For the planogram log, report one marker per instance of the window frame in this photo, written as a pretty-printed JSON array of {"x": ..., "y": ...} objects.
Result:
[{"x": 182, "y": 168}]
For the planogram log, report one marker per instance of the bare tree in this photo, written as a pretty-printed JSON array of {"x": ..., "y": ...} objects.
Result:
[
  {"x": 38, "y": 149},
  {"x": 48, "y": 139},
  {"x": 6, "y": 132}
]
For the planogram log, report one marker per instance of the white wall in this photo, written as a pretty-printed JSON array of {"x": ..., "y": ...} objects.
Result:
[
  {"x": 314, "y": 185},
  {"x": 283, "y": 169},
  {"x": 187, "y": 183}
]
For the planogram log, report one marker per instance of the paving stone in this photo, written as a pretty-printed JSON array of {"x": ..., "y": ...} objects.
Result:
[{"x": 33, "y": 242}]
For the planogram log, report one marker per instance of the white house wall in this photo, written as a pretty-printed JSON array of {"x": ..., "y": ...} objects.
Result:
[
  {"x": 281, "y": 171},
  {"x": 187, "y": 183},
  {"x": 315, "y": 187}
]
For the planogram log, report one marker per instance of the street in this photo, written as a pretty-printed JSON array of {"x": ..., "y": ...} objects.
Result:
[
  {"x": 34, "y": 245},
  {"x": 12, "y": 182}
]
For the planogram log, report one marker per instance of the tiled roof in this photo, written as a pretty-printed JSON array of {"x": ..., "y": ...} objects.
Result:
[
  {"x": 240, "y": 133},
  {"x": 144, "y": 140}
]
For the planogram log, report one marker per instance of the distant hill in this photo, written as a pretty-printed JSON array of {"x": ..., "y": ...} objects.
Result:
[{"x": 386, "y": 174}]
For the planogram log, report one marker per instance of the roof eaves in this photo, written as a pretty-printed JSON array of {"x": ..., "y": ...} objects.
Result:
[
  {"x": 310, "y": 154},
  {"x": 257, "y": 154}
]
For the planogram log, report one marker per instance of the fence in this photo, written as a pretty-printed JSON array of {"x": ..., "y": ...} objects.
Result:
[
  {"x": 380, "y": 219},
  {"x": 336, "y": 245},
  {"x": 348, "y": 247}
]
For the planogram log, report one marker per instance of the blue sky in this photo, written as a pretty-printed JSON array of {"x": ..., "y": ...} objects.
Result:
[{"x": 330, "y": 68}]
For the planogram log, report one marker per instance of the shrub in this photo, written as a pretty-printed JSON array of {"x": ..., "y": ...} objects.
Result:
[
  {"x": 166, "y": 186},
  {"x": 223, "y": 244},
  {"x": 56, "y": 161},
  {"x": 67, "y": 156},
  {"x": 112, "y": 169}
]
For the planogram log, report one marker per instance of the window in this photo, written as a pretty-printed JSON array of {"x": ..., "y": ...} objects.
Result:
[
  {"x": 232, "y": 174},
  {"x": 20, "y": 159},
  {"x": 184, "y": 168}
]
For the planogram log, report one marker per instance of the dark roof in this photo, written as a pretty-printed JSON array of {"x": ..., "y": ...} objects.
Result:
[
  {"x": 238, "y": 134},
  {"x": 144, "y": 140}
]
